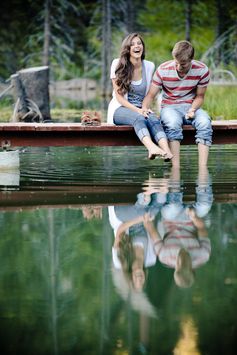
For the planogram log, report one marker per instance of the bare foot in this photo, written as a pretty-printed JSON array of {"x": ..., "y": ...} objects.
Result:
[
  {"x": 168, "y": 156},
  {"x": 153, "y": 153}
]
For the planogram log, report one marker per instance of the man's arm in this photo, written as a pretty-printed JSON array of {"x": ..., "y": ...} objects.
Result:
[
  {"x": 198, "y": 223},
  {"x": 197, "y": 102}
]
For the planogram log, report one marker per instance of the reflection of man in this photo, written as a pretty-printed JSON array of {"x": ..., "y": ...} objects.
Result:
[
  {"x": 181, "y": 239},
  {"x": 185, "y": 246}
]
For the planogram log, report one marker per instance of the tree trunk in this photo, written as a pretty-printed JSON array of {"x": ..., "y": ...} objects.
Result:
[
  {"x": 235, "y": 52},
  {"x": 106, "y": 48},
  {"x": 223, "y": 24},
  {"x": 188, "y": 19},
  {"x": 31, "y": 89},
  {"x": 129, "y": 16},
  {"x": 47, "y": 33}
]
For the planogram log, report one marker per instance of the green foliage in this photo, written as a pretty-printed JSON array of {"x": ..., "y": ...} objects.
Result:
[
  {"x": 76, "y": 32},
  {"x": 76, "y": 42},
  {"x": 220, "y": 102},
  {"x": 162, "y": 30}
]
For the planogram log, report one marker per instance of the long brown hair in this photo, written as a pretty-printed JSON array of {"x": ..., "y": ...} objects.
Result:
[
  {"x": 126, "y": 255},
  {"x": 125, "y": 68}
]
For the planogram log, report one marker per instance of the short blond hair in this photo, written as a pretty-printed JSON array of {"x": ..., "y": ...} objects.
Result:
[
  {"x": 184, "y": 278},
  {"x": 183, "y": 50}
]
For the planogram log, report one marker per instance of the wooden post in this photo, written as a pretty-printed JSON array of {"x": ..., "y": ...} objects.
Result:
[{"x": 31, "y": 89}]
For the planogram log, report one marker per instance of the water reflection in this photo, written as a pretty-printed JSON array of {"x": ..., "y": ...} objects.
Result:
[
  {"x": 161, "y": 228},
  {"x": 62, "y": 280},
  {"x": 188, "y": 341},
  {"x": 181, "y": 237},
  {"x": 160, "y": 225}
]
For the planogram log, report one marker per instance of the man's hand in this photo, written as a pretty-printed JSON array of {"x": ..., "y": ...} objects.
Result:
[
  {"x": 197, "y": 221},
  {"x": 190, "y": 114}
]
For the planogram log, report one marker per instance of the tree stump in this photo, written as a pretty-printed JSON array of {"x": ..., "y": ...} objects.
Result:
[{"x": 31, "y": 90}]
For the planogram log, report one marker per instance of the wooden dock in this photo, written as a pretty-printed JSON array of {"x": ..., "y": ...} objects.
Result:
[{"x": 75, "y": 134}]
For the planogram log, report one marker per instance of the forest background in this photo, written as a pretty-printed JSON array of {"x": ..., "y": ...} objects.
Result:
[{"x": 79, "y": 39}]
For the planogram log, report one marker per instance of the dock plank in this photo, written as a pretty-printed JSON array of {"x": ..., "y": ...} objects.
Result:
[{"x": 75, "y": 134}]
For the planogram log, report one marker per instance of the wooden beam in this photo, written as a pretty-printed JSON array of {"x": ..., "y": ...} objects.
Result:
[{"x": 74, "y": 134}]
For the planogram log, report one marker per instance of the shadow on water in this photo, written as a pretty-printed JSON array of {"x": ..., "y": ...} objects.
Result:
[{"x": 105, "y": 252}]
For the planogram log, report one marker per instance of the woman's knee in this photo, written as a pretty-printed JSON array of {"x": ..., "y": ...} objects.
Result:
[
  {"x": 126, "y": 116},
  {"x": 139, "y": 120},
  {"x": 152, "y": 120}
]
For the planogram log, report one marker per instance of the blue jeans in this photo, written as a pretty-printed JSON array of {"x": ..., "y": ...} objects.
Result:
[
  {"x": 173, "y": 117},
  {"x": 143, "y": 126}
]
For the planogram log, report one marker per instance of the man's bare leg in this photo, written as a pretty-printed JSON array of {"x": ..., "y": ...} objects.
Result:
[
  {"x": 175, "y": 150},
  {"x": 203, "y": 152}
]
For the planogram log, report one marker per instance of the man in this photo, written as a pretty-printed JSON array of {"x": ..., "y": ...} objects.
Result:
[{"x": 183, "y": 82}]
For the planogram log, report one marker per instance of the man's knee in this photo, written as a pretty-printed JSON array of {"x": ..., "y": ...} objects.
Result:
[
  {"x": 171, "y": 119},
  {"x": 202, "y": 120}
]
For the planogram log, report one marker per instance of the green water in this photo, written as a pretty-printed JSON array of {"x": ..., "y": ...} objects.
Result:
[{"x": 60, "y": 292}]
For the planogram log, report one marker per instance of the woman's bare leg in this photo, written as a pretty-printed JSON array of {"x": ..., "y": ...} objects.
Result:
[
  {"x": 163, "y": 143},
  {"x": 153, "y": 149}
]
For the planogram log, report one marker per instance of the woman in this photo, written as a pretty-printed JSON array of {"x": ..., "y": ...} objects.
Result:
[{"x": 131, "y": 77}]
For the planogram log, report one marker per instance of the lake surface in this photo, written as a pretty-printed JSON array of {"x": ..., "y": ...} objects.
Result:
[{"x": 66, "y": 288}]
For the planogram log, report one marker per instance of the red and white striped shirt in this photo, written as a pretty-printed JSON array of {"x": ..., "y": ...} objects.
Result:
[
  {"x": 180, "y": 235},
  {"x": 176, "y": 90}
]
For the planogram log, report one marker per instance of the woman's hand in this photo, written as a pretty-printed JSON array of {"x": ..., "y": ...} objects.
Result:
[
  {"x": 145, "y": 111},
  {"x": 142, "y": 112}
]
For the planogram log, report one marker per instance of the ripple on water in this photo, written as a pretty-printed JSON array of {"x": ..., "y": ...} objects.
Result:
[{"x": 119, "y": 166}]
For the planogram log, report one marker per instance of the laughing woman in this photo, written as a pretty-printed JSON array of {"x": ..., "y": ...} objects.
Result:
[{"x": 131, "y": 76}]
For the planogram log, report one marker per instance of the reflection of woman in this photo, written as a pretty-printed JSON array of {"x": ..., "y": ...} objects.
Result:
[
  {"x": 131, "y": 76},
  {"x": 132, "y": 253},
  {"x": 132, "y": 250}
]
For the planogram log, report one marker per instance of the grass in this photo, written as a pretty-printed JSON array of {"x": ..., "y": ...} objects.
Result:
[
  {"x": 220, "y": 103},
  {"x": 57, "y": 114}
]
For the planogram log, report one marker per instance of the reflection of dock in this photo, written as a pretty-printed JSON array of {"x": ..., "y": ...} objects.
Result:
[
  {"x": 75, "y": 134},
  {"x": 102, "y": 195}
]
